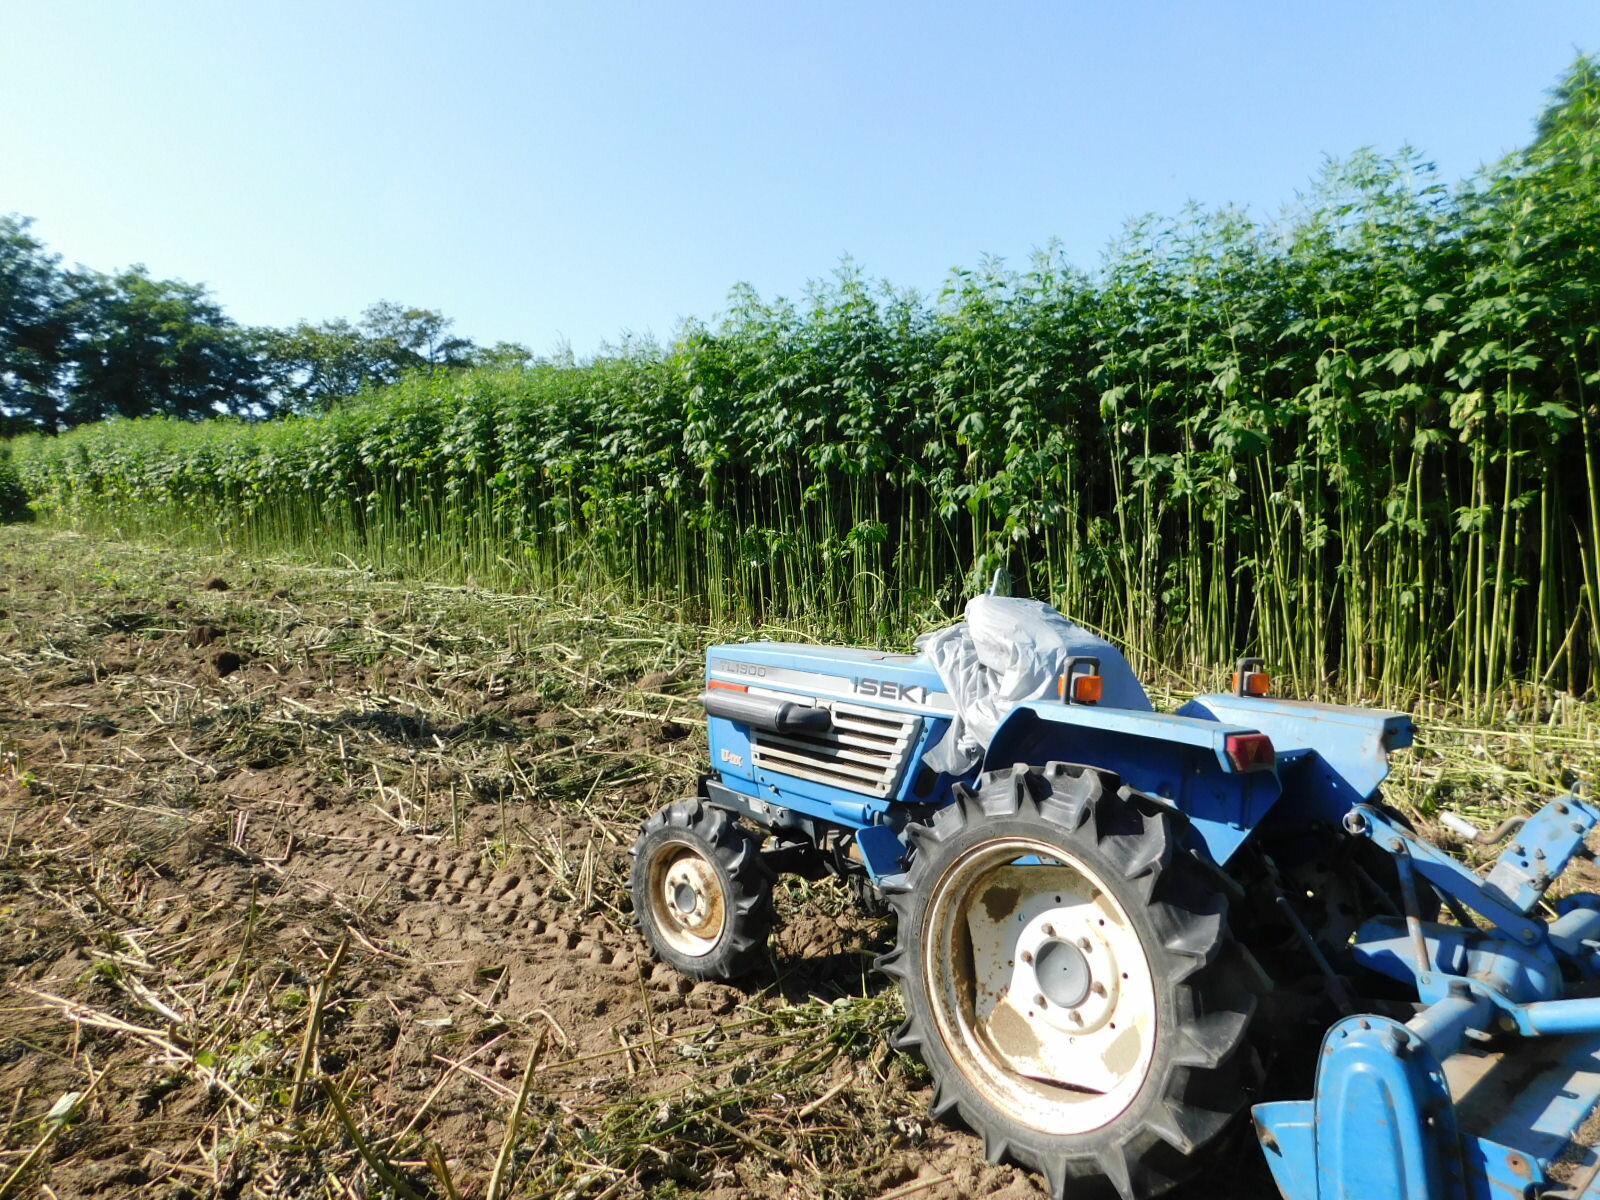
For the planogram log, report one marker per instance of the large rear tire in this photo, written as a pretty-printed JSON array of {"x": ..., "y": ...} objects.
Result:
[{"x": 1070, "y": 981}]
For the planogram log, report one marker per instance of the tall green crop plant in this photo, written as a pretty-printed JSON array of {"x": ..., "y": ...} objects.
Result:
[{"x": 1360, "y": 440}]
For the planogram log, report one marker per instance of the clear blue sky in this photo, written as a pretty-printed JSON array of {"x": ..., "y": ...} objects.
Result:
[{"x": 551, "y": 170}]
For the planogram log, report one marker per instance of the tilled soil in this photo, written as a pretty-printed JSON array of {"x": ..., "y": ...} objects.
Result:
[{"x": 313, "y": 883}]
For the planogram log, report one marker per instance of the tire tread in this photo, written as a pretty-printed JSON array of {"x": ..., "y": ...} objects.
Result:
[
  {"x": 1207, "y": 1072},
  {"x": 748, "y": 884}
]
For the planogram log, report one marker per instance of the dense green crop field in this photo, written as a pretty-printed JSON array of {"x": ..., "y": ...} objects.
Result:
[{"x": 1360, "y": 440}]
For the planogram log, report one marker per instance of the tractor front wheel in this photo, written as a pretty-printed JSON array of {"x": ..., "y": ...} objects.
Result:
[
  {"x": 701, "y": 895},
  {"x": 1070, "y": 981}
]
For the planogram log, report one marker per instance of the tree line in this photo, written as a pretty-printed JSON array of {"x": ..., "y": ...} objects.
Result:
[{"x": 79, "y": 345}]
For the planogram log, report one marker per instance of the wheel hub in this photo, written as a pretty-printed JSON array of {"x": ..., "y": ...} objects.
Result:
[
  {"x": 1061, "y": 971},
  {"x": 1064, "y": 972},
  {"x": 1047, "y": 985},
  {"x": 687, "y": 902},
  {"x": 686, "y": 898}
]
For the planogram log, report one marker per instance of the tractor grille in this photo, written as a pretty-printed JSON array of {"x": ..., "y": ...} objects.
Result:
[{"x": 865, "y": 751}]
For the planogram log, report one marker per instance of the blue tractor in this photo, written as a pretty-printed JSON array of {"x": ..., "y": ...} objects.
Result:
[{"x": 1115, "y": 925}]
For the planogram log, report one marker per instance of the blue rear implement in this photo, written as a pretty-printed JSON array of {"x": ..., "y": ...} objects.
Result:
[{"x": 1122, "y": 928}]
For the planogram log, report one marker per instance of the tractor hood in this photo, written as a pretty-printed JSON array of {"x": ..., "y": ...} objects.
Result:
[{"x": 900, "y": 681}]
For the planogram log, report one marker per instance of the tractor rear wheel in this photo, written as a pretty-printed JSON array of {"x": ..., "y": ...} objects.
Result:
[
  {"x": 701, "y": 895},
  {"x": 1070, "y": 981}
]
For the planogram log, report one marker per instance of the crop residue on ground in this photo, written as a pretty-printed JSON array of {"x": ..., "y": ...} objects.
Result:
[
  {"x": 310, "y": 882},
  {"x": 313, "y": 883}
]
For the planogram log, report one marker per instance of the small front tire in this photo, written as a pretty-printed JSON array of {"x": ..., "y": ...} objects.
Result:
[{"x": 701, "y": 895}]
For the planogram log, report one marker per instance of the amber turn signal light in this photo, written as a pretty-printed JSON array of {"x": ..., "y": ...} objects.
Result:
[
  {"x": 1086, "y": 689},
  {"x": 1253, "y": 683}
]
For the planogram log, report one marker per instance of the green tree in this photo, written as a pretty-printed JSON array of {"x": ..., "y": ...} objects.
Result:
[
  {"x": 414, "y": 337},
  {"x": 312, "y": 366},
  {"x": 148, "y": 346},
  {"x": 35, "y": 329},
  {"x": 502, "y": 354}
]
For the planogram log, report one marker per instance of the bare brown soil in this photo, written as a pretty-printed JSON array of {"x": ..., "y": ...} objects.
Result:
[{"x": 314, "y": 884}]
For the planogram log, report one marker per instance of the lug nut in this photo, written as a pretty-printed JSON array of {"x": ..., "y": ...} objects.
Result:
[
  {"x": 1083, "y": 944},
  {"x": 1040, "y": 1001},
  {"x": 1098, "y": 988},
  {"x": 1027, "y": 957},
  {"x": 1077, "y": 1017},
  {"x": 1049, "y": 931}
]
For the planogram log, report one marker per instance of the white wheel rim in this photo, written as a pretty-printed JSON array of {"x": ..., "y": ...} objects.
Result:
[
  {"x": 1040, "y": 986},
  {"x": 686, "y": 900}
]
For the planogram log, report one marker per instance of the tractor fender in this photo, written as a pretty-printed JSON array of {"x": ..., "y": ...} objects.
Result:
[
  {"x": 1330, "y": 756},
  {"x": 1182, "y": 760}
]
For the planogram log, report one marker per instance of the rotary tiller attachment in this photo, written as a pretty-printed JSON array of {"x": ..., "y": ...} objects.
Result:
[{"x": 1489, "y": 1091}]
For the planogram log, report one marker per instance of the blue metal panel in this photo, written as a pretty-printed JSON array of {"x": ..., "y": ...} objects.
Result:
[
  {"x": 730, "y": 749},
  {"x": 1496, "y": 1172},
  {"x": 839, "y": 672},
  {"x": 1533, "y": 1098},
  {"x": 1093, "y": 719},
  {"x": 1384, "y": 945},
  {"x": 1385, "y": 1126},
  {"x": 1340, "y": 754},
  {"x": 1540, "y": 851},
  {"x": 1520, "y": 1110},
  {"x": 1506, "y": 968},
  {"x": 881, "y": 850},
  {"x": 1286, "y": 1130},
  {"x": 1180, "y": 759}
]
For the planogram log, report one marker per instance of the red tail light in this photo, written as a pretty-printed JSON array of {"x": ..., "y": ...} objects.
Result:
[
  {"x": 1250, "y": 752},
  {"x": 728, "y": 687}
]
